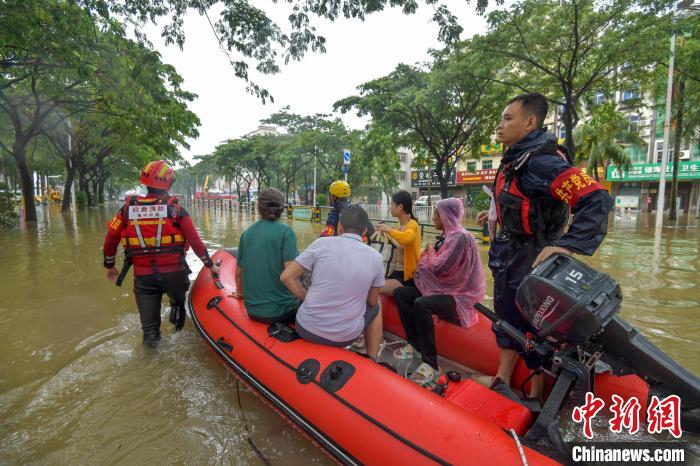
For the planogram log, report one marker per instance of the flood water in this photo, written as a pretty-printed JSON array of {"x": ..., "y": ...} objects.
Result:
[{"x": 77, "y": 386}]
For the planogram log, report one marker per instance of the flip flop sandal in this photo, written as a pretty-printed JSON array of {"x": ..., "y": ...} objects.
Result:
[
  {"x": 359, "y": 343},
  {"x": 425, "y": 373},
  {"x": 405, "y": 352},
  {"x": 499, "y": 386}
]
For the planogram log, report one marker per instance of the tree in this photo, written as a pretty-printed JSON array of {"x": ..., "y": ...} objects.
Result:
[
  {"x": 142, "y": 116},
  {"x": 686, "y": 96},
  {"x": 247, "y": 34},
  {"x": 233, "y": 159},
  {"x": 449, "y": 110},
  {"x": 381, "y": 158},
  {"x": 47, "y": 52},
  {"x": 599, "y": 140},
  {"x": 566, "y": 50},
  {"x": 321, "y": 138}
]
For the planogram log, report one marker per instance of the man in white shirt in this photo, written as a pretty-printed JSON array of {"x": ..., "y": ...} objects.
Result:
[{"x": 346, "y": 276}]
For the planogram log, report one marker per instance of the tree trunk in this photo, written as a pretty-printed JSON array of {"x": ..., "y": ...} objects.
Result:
[
  {"x": 67, "y": 188},
  {"x": 595, "y": 171},
  {"x": 84, "y": 187},
  {"x": 95, "y": 191},
  {"x": 569, "y": 125},
  {"x": 101, "y": 191},
  {"x": 19, "y": 154},
  {"x": 677, "y": 147}
]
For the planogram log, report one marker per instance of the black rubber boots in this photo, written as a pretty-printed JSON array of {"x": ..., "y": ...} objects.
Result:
[
  {"x": 151, "y": 335},
  {"x": 177, "y": 315}
]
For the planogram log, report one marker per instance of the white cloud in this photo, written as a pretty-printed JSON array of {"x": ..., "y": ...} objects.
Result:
[{"x": 356, "y": 52}]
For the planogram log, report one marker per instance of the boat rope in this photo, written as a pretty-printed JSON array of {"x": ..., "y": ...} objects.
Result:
[
  {"x": 520, "y": 447},
  {"x": 384, "y": 344},
  {"x": 252, "y": 444},
  {"x": 343, "y": 401}
]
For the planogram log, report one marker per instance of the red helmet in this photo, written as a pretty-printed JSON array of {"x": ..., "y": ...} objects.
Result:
[{"x": 158, "y": 175}]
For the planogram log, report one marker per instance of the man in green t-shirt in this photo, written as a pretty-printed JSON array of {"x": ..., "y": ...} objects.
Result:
[{"x": 263, "y": 251}]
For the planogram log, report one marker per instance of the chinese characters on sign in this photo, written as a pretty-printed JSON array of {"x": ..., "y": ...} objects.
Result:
[
  {"x": 494, "y": 148},
  {"x": 419, "y": 178},
  {"x": 651, "y": 171},
  {"x": 481, "y": 176},
  {"x": 662, "y": 415},
  {"x": 152, "y": 211}
]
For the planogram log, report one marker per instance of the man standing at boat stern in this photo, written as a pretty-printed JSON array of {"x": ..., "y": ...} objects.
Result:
[
  {"x": 155, "y": 232},
  {"x": 535, "y": 189}
]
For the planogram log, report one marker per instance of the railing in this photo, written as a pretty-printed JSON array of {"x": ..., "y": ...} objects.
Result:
[{"x": 376, "y": 213}]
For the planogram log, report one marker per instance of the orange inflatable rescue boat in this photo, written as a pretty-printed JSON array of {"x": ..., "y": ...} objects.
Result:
[{"x": 362, "y": 412}]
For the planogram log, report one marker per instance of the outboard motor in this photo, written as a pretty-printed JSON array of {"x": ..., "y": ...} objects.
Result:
[{"x": 567, "y": 303}]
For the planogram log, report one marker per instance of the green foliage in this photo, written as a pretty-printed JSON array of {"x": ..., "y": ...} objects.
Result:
[
  {"x": 448, "y": 110},
  {"x": 599, "y": 140},
  {"x": 8, "y": 210},
  {"x": 482, "y": 201},
  {"x": 246, "y": 31},
  {"x": 322, "y": 199},
  {"x": 687, "y": 67},
  {"x": 81, "y": 199},
  {"x": 69, "y": 75},
  {"x": 286, "y": 160},
  {"x": 378, "y": 153},
  {"x": 569, "y": 50}
]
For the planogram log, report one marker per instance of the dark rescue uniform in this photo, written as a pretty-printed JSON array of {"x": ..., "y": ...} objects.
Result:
[
  {"x": 535, "y": 189},
  {"x": 155, "y": 243},
  {"x": 331, "y": 227}
]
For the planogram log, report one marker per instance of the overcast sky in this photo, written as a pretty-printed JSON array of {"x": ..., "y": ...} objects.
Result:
[{"x": 356, "y": 52}]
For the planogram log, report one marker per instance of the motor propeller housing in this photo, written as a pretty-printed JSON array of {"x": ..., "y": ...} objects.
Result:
[{"x": 566, "y": 301}]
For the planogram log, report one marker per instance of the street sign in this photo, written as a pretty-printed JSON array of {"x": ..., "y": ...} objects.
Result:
[
  {"x": 346, "y": 157},
  {"x": 419, "y": 179},
  {"x": 346, "y": 169}
]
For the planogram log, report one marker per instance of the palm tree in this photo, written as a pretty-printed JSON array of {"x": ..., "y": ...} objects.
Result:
[{"x": 599, "y": 141}]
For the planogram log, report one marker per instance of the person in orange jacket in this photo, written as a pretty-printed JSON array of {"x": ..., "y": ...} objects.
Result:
[
  {"x": 155, "y": 232},
  {"x": 406, "y": 239}
]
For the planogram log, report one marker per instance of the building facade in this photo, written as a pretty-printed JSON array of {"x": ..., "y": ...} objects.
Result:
[
  {"x": 405, "y": 173},
  {"x": 637, "y": 188}
]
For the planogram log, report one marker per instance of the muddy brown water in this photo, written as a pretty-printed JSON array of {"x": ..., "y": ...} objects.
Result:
[{"x": 77, "y": 387}]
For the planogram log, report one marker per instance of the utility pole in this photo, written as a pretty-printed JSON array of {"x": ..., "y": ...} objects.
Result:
[
  {"x": 70, "y": 162},
  {"x": 314, "y": 176},
  {"x": 667, "y": 128},
  {"x": 430, "y": 183}
]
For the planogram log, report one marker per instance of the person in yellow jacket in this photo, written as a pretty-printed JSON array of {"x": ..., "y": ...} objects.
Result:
[{"x": 406, "y": 238}]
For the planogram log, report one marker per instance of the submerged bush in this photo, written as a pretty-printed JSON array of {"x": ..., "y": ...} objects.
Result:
[
  {"x": 80, "y": 199},
  {"x": 8, "y": 213}
]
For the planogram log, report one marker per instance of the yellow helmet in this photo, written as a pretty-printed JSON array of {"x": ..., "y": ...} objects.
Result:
[{"x": 340, "y": 188}]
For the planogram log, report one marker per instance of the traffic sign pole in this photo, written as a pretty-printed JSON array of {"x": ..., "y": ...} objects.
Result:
[{"x": 346, "y": 163}]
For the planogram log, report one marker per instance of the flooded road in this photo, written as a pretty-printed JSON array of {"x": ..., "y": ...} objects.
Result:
[{"x": 77, "y": 387}]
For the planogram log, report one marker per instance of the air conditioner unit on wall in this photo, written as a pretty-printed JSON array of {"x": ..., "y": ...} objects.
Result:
[
  {"x": 644, "y": 122},
  {"x": 645, "y": 132},
  {"x": 685, "y": 155}
]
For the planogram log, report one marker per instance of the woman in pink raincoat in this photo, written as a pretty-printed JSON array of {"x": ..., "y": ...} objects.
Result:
[{"x": 449, "y": 281}]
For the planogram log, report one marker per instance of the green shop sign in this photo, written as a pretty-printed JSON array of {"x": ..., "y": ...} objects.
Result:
[{"x": 650, "y": 171}]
